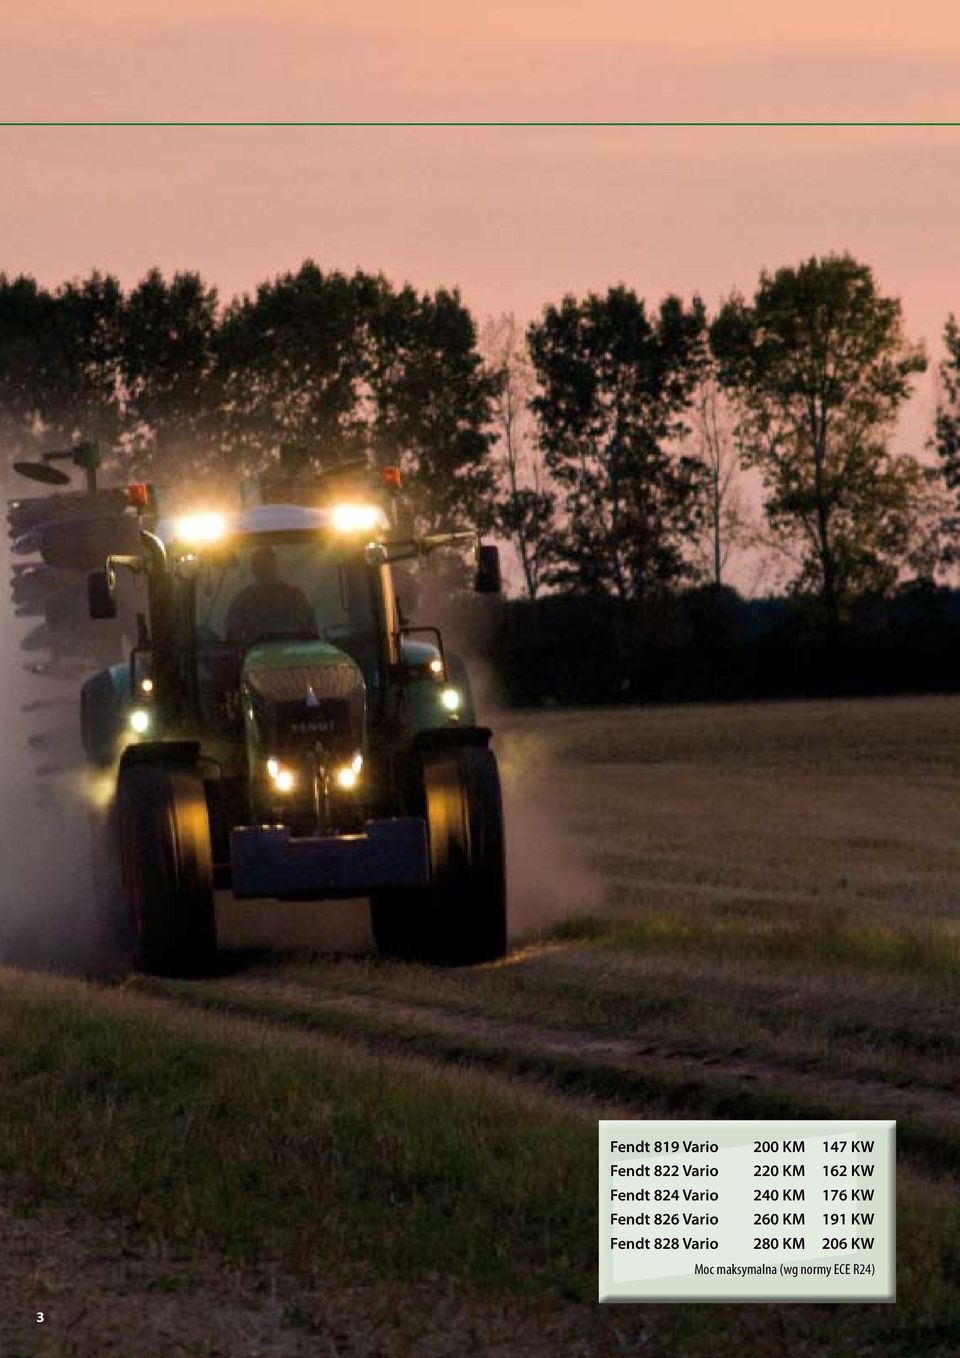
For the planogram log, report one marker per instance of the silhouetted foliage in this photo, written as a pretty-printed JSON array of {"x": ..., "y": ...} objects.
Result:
[
  {"x": 708, "y": 645},
  {"x": 338, "y": 365},
  {"x": 593, "y": 444},
  {"x": 59, "y": 362},
  {"x": 342, "y": 364},
  {"x": 946, "y": 439},
  {"x": 171, "y": 405},
  {"x": 948, "y": 406},
  {"x": 615, "y": 384},
  {"x": 526, "y": 503},
  {"x": 292, "y": 360},
  {"x": 821, "y": 368},
  {"x": 433, "y": 405},
  {"x": 714, "y": 444}
]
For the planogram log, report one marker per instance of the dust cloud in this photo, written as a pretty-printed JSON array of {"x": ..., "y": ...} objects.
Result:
[
  {"x": 548, "y": 879},
  {"x": 56, "y": 906},
  {"x": 59, "y": 893}
]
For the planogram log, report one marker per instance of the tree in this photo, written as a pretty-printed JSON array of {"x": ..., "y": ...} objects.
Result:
[
  {"x": 348, "y": 366},
  {"x": 59, "y": 362},
  {"x": 947, "y": 436},
  {"x": 715, "y": 446},
  {"x": 948, "y": 406},
  {"x": 340, "y": 366},
  {"x": 525, "y": 505},
  {"x": 82, "y": 389},
  {"x": 291, "y": 364},
  {"x": 820, "y": 366},
  {"x": 615, "y": 386},
  {"x": 171, "y": 404},
  {"x": 26, "y": 317},
  {"x": 433, "y": 403}
]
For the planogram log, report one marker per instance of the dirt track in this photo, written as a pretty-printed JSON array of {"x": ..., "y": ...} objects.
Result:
[{"x": 396, "y": 1022}]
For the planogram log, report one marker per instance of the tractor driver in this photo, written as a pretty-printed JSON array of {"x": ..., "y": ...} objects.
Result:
[{"x": 269, "y": 606}]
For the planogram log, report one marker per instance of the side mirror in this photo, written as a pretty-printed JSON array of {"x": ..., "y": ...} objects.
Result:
[
  {"x": 100, "y": 596},
  {"x": 488, "y": 578}
]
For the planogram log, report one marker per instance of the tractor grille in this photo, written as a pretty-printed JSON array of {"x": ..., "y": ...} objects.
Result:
[
  {"x": 298, "y": 682},
  {"x": 330, "y": 722},
  {"x": 302, "y": 706}
]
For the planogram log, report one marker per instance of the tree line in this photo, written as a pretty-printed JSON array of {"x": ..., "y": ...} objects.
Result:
[
  {"x": 607, "y": 442},
  {"x": 179, "y": 386},
  {"x": 643, "y": 422}
]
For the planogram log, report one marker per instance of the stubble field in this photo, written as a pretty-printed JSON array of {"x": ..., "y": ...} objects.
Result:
[{"x": 733, "y": 911}]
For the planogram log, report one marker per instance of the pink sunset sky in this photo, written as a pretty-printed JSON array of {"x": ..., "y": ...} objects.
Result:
[{"x": 514, "y": 217}]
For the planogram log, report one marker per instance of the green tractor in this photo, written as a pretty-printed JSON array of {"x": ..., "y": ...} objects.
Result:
[{"x": 284, "y": 732}]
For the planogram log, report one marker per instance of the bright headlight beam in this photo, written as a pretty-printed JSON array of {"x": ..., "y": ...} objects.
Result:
[
  {"x": 139, "y": 721},
  {"x": 356, "y": 518},
  {"x": 450, "y": 697},
  {"x": 200, "y": 529},
  {"x": 348, "y": 776},
  {"x": 283, "y": 780}
]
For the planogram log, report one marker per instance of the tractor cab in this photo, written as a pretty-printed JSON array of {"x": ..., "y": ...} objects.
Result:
[
  {"x": 285, "y": 573},
  {"x": 278, "y": 587}
]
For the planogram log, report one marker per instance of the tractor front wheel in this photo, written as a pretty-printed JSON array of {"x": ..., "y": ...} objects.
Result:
[
  {"x": 165, "y": 854},
  {"x": 460, "y": 918}
]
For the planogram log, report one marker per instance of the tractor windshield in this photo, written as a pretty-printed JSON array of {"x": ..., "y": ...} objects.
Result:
[{"x": 264, "y": 588}]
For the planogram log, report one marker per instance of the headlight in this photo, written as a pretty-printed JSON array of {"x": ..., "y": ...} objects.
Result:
[
  {"x": 139, "y": 721},
  {"x": 349, "y": 775},
  {"x": 283, "y": 779},
  {"x": 198, "y": 529},
  {"x": 450, "y": 697},
  {"x": 357, "y": 518}
]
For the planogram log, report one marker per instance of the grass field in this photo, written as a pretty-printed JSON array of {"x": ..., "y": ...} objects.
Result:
[{"x": 760, "y": 916}]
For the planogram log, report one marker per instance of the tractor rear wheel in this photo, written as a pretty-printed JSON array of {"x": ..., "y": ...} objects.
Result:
[
  {"x": 164, "y": 832},
  {"x": 461, "y": 917}
]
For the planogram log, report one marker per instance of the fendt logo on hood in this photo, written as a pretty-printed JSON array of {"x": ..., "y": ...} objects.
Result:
[
  {"x": 313, "y": 715},
  {"x": 315, "y": 727}
]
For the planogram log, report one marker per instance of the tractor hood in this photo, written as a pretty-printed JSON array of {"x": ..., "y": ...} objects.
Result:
[{"x": 302, "y": 698}]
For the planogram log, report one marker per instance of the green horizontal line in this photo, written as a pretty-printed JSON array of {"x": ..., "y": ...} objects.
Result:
[{"x": 599, "y": 123}]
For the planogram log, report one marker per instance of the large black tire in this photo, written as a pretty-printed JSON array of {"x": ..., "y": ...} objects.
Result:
[
  {"x": 111, "y": 915},
  {"x": 164, "y": 833},
  {"x": 461, "y": 917}
]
